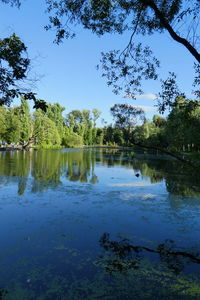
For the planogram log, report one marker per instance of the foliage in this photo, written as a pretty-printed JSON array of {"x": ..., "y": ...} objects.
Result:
[
  {"x": 14, "y": 67},
  {"x": 96, "y": 114},
  {"x": 73, "y": 140},
  {"x": 2, "y": 121},
  {"x": 126, "y": 116},
  {"x": 25, "y": 120},
  {"x": 83, "y": 124},
  {"x": 177, "y": 133},
  {"x": 51, "y": 130},
  {"x": 12, "y": 2},
  {"x": 45, "y": 130},
  {"x": 13, "y": 126},
  {"x": 54, "y": 113},
  {"x": 183, "y": 121},
  {"x": 126, "y": 69}
]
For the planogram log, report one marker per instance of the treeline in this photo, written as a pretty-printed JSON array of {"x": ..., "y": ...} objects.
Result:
[
  {"x": 180, "y": 131},
  {"x": 49, "y": 128}
]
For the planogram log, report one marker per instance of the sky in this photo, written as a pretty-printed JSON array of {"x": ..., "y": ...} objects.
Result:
[{"x": 67, "y": 72}]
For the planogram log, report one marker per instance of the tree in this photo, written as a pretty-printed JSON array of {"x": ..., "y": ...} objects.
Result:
[
  {"x": 75, "y": 118},
  {"x": 126, "y": 69},
  {"x": 72, "y": 140},
  {"x": 25, "y": 120},
  {"x": 179, "y": 18},
  {"x": 147, "y": 17},
  {"x": 54, "y": 113},
  {"x": 14, "y": 67},
  {"x": 118, "y": 137},
  {"x": 13, "y": 126},
  {"x": 12, "y": 2},
  {"x": 2, "y": 123},
  {"x": 108, "y": 135},
  {"x": 45, "y": 131},
  {"x": 181, "y": 127},
  {"x": 126, "y": 116},
  {"x": 99, "y": 136},
  {"x": 88, "y": 134},
  {"x": 78, "y": 117},
  {"x": 159, "y": 121},
  {"x": 96, "y": 114}
]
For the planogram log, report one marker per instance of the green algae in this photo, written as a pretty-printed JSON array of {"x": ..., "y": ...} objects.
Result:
[{"x": 148, "y": 282}]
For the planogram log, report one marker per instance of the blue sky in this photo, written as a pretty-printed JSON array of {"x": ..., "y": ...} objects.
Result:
[{"x": 67, "y": 72}]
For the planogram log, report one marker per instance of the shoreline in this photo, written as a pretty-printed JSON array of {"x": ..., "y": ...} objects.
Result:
[{"x": 10, "y": 148}]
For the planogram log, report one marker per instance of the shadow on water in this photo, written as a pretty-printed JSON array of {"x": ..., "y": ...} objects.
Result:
[
  {"x": 121, "y": 272},
  {"x": 121, "y": 256},
  {"x": 3, "y": 293}
]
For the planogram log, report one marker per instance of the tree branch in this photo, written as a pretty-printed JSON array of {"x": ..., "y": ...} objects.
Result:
[{"x": 168, "y": 27}]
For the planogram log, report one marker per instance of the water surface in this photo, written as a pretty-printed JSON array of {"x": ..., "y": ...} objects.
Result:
[{"x": 98, "y": 224}]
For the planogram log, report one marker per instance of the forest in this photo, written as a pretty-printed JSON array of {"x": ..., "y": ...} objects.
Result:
[{"x": 51, "y": 129}]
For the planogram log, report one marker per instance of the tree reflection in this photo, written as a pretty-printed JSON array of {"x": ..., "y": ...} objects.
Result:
[
  {"x": 78, "y": 166},
  {"x": 48, "y": 168},
  {"x": 121, "y": 256},
  {"x": 15, "y": 166},
  {"x": 180, "y": 179}
]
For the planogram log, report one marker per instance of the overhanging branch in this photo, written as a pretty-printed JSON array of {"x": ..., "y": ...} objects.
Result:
[{"x": 168, "y": 27}]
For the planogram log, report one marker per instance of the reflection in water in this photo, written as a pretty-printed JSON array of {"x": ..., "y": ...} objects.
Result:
[
  {"x": 3, "y": 293},
  {"x": 121, "y": 256},
  {"x": 49, "y": 240},
  {"x": 48, "y": 168}
]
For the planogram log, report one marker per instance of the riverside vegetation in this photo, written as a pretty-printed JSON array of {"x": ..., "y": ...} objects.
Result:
[{"x": 50, "y": 129}]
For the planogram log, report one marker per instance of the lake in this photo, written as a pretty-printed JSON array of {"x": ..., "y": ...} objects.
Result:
[{"x": 98, "y": 224}]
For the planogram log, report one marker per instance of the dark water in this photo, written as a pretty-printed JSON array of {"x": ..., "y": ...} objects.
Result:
[{"x": 93, "y": 224}]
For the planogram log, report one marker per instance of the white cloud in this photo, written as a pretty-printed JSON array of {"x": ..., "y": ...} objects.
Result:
[
  {"x": 146, "y": 108},
  {"x": 146, "y": 96},
  {"x": 143, "y": 96}
]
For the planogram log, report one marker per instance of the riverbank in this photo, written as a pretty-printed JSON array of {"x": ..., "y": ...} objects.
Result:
[
  {"x": 192, "y": 156},
  {"x": 9, "y": 148},
  {"x": 108, "y": 147}
]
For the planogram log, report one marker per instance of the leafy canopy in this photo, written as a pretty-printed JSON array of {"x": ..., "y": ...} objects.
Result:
[
  {"x": 126, "y": 116},
  {"x": 14, "y": 65},
  {"x": 126, "y": 69}
]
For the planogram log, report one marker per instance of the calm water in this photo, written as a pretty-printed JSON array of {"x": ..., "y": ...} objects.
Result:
[{"x": 98, "y": 224}]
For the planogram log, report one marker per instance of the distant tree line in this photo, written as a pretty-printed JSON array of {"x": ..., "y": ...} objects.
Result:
[
  {"x": 48, "y": 129},
  {"x": 178, "y": 132}
]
